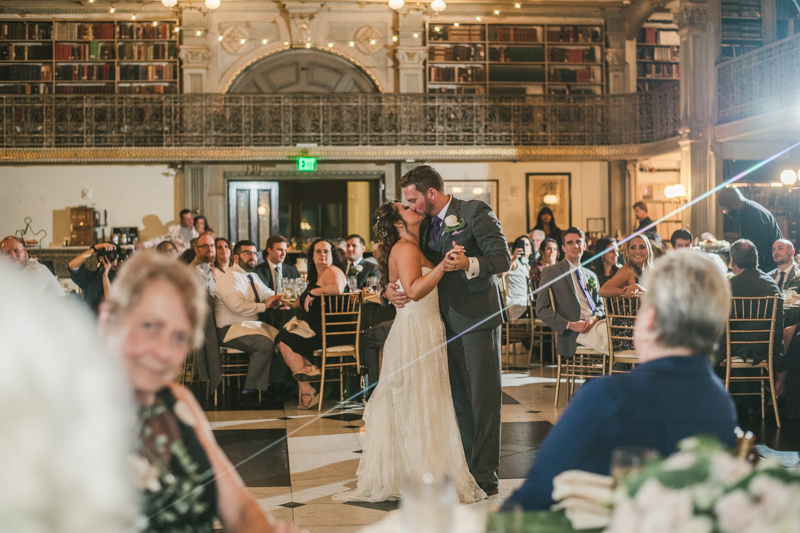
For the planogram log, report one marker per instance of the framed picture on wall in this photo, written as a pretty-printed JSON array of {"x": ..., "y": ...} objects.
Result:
[
  {"x": 553, "y": 191},
  {"x": 485, "y": 191}
]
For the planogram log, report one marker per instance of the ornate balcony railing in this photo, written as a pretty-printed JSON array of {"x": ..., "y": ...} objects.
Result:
[
  {"x": 220, "y": 121},
  {"x": 761, "y": 81}
]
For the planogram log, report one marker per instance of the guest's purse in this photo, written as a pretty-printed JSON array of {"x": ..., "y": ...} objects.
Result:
[
  {"x": 250, "y": 327},
  {"x": 585, "y": 498},
  {"x": 299, "y": 327}
]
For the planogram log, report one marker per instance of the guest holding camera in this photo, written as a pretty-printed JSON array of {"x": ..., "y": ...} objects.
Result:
[{"x": 95, "y": 284}]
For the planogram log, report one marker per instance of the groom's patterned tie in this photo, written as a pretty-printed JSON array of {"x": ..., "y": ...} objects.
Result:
[
  {"x": 585, "y": 292},
  {"x": 437, "y": 226}
]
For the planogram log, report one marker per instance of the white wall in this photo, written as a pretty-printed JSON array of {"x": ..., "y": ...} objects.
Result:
[
  {"x": 142, "y": 196},
  {"x": 589, "y": 189}
]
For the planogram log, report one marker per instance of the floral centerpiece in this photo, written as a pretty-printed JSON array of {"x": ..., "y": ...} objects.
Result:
[{"x": 702, "y": 488}]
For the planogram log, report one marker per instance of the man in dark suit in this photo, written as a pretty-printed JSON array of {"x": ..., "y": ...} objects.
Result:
[
  {"x": 786, "y": 275},
  {"x": 273, "y": 270},
  {"x": 577, "y": 308},
  {"x": 756, "y": 224},
  {"x": 469, "y": 300},
  {"x": 356, "y": 265}
]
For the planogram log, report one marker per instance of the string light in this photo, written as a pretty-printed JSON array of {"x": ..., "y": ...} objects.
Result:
[
  {"x": 394, "y": 38},
  {"x": 330, "y": 45},
  {"x": 199, "y": 33},
  {"x": 133, "y": 17},
  {"x": 308, "y": 45},
  {"x": 352, "y": 43},
  {"x": 416, "y": 36},
  {"x": 518, "y": 5},
  {"x": 242, "y": 41},
  {"x": 177, "y": 29},
  {"x": 478, "y": 18},
  {"x": 496, "y": 11},
  {"x": 285, "y": 43},
  {"x": 372, "y": 41},
  {"x": 437, "y": 28},
  {"x": 111, "y": 10},
  {"x": 455, "y": 24},
  {"x": 264, "y": 41},
  {"x": 219, "y": 38}
]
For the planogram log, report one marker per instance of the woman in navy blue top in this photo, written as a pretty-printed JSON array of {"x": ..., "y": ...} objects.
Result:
[{"x": 671, "y": 395}]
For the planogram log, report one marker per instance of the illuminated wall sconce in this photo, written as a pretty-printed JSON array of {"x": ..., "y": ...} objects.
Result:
[
  {"x": 550, "y": 199},
  {"x": 675, "y": 191},
  {"x": 477, "y": 191},
  {"x": 457, "y": 190}
]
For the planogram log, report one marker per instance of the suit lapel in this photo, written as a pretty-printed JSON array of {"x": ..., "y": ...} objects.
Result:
[
  {"x": 453, "y": 209},
  {"x": 567, "y": 269}
]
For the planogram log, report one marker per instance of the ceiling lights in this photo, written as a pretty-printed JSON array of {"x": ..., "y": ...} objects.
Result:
[
  {"x": 212, "y": 4},
  {"x": 169, "y": 3},
  {"x": 438, "y": 5},
  {"x": 396, "y": 4},
  {"x": 788, "y": 177}
]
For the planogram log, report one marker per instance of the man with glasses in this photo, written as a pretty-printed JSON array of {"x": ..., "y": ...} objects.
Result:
[
  {"x": 239, "y": 296},
  {"x": 204, "y": 255}
]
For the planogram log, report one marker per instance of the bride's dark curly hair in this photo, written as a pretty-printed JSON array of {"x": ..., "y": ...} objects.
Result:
[{"x": 383, "y": 224}]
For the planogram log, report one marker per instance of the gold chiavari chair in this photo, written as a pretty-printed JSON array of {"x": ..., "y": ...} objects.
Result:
[
  {"x": 751, "y": 326},
  {"x": 515, "y": 330},
  {"x": 621, "y": 314},
  {"x": 540, "y": 332}
]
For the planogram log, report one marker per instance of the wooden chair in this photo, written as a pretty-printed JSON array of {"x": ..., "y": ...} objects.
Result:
[
  {"x": 516, "y": 330},
  {"x": 341, "y": 316},
  {"x": 620, "y": 316},
  {"x": 540, "y": 332},
  {"x": 752, "y": 325},
  {"x": 234, "y": 364},
  {"x": 585, "y": 364}
]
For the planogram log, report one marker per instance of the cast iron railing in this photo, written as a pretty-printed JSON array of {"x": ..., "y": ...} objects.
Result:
[{"x": 218, "y": 121}]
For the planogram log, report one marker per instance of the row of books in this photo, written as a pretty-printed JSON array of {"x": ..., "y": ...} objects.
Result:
[
  {"x": 459, "y": 52},
  {"x": 25, "y": 31},
  {"x": 130, "y": 51},
  {"x": 463, "y": 33},
  {"x": 741, "y": 8},
  {"x": 516, "y": 74},
  {"x": 517, "y": 54},
  {"x": 148, "y": 72},
  {"x": 457, "y": 74},
  {"x": 573, "y": 55},
  {"x": 574, "y": 34},
  {"x": 655, "y": 83},
  {"x": 658, "y": 70},
  {"x": 25, "y": 88},
  {"x": 467, "y": 89},
  {"x": 100, "y": 72},
  {"x": 658, "y": 36},
  {"x": 26, "y": 72},
  {"x": 580, "y": 75},
  {"x": 103, "y": 88},
  {"x": 92, "y": 51},
  {"x": 25, "y": 52},
  {"x": 514, "y": 34},
  {"x": 573, "y": 90},
  {"x": 148, "y": 89},
  {"x": 741, "y": 30},
  {"x": 136, "y": 30},
  {"x": 659, "y": 54},
  {"x": 83, "y": 31}
]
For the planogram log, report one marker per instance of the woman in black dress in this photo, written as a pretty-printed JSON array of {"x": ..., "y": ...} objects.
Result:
[
  {"x": 546, "y": 222},
  {"x": 153, "y": 317},
  {"x": 324, "y": 277}
]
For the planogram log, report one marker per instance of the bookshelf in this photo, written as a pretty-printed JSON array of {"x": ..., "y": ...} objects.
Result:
[
  {"x": 742, "y": 29},
  {"x": 515, "y": 59},
  {"x": 657, "y": 53},
  {"x": 787, "y": 17},
  {"x": 89, "y": 57}
]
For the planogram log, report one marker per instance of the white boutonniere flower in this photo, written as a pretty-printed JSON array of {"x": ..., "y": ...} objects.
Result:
[
  {"x": 453, "y": 223},
  {"x": 359, "y": 268}
]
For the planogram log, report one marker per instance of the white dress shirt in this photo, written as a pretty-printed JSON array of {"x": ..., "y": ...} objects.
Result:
[
  {"x": 787, "y": 270},
  {"x": 41, "y": 278},
  {"x": 474, "y": 267},
  {"x": 205, "y": 274},
  {"x": 234, "y": 299}
]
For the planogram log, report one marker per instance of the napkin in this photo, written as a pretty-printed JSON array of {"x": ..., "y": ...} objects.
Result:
[
  {"x": 373, "y": 298},
  {"x": 584, "y": 497},
  {"x": 251, "y": 327},
  {"x": 299, "y": 327}
]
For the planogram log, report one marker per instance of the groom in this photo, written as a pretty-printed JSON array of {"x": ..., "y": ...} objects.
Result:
[{"x": 469, "y": 300}]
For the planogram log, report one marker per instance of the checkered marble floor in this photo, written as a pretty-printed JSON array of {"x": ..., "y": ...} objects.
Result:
[{"x": 293, "y": 461}]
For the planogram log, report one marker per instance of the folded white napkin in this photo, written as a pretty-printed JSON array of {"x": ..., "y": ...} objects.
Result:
[
  {"x": 584, "y": 497},
  {"x": 299, "y": 327},
  {"x": 252, "y": 327},
  {"x": 372, "y": 297}
]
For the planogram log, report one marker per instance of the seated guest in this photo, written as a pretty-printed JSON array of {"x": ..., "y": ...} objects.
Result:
[
  {"x": 626, "y": 282},
  {"x": 324, "y": 277},
  {"x": 517, "y": 278},
  {"x": 180, "y": 234},
  {"x": 536, "y": 236},
  {"x": 671, "y": 395},
  {"x": 239, "y": 296},
  {"x": 14, "y": 250},
  {"x": 356, "y": 265},
  {"x": 153, "y": 317},
  {"x": 95, "y": 283},
  {"x": 548, "y": 256},
  {"x": 786, "y": 275},
  {"x": 201, "y": 225},
  {"x": 274, "y": 269},
  {"x": 222, "y": 261},
  {"x": 606, "y": 265},
  {"x": 577, "y": 308},
  {"x": 681, "y": 238},
  {"x": 204, "y": 254},
  {"x": 168, "y": 248}
]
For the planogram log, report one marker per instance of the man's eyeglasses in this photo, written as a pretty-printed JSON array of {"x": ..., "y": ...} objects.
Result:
[
  {"x": 247, "y": 252},
  {"x": 203, "y": 246}
]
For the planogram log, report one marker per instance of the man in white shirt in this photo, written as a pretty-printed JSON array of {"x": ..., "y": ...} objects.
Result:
[
  {"x": 786, "y": 273},
  {"x": 273, "y": 271},
  {"x": 14, "y": 250},
  {"x": 181, "y": 234},
  {"x": 357, "y": 267},
  {"x": 239, "y": 296},
  {"x": 204, "y": 254}
]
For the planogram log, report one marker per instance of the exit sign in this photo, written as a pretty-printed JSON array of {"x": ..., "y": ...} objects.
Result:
[{"x": 307, "y": 164}]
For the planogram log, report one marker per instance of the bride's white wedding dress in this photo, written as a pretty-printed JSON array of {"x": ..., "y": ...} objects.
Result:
[{"x": 410, "y": 422}]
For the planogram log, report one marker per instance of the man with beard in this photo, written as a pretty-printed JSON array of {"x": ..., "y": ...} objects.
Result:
[
  {"x": 204, "y": 254},
  {"x": 239, "y": 296}
]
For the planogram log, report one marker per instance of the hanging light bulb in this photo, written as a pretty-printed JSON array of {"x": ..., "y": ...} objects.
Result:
[
  {"x": 169, "y": 3},
  {"x": 396, "y": 4},
  {"x": 788, "y": 177},
  {"x": 212, "y": 4},
  {"x": 438, "y": 5}
]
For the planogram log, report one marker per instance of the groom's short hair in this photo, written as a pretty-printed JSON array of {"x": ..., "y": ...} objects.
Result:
[
  {"x": 575, "y": 230},
  {"x": 423, "y": 177}
]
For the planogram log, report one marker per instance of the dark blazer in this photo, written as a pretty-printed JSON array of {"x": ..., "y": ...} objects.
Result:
[
  {"x": 567, "y": 307},
  {"x": 758, "y": 225},
  {"x": 265, "y": 273},
  {"x": 792, "y": 281},
  {"x": 475, "y": 302},
  {"x": 655, "y": 405},
  {"x": 369, "y": 269},
  {"x": 753, "y": 282}
]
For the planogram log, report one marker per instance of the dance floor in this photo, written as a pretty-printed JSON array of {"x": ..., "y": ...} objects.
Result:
[{"x": 293, "y": 461}]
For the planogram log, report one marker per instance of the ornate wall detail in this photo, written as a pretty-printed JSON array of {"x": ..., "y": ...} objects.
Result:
[
  {"x": 194, "y": 56},
  {"x": 234, "y": 39},
  {"x": 301, "y": 20},
  {"x": 411, "y": 56},
  {"x": 615, "y": 57},
  {"x": 691, "y": 16},
  {"x": 369, "y": 40}
]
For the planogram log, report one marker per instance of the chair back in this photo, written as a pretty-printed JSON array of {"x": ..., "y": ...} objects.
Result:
[
  {"x": 341, "y": 318},
  {"x": 621, "y": 314},
  {"x": 751, "y": 327}
]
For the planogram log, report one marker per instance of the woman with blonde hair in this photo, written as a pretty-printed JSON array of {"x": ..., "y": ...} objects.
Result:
[
  {"x": 626, "y": 282},
  {"x": 153, "y": 317}
]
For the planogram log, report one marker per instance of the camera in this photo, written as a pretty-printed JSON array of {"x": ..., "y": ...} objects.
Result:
[{"x": 110, "y": 255}]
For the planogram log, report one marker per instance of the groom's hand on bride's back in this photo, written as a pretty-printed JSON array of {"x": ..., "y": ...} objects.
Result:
[{"x": 397, "y": 298}]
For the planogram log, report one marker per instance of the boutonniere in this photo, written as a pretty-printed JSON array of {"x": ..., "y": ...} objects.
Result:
[
  {"x": 359, "y": 268},
  {"x": 453, "y": 223},
  {"x": 591, "y": 284}
]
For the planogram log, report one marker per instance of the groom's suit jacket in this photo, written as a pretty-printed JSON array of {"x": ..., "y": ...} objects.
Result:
[
  {"x": 566, "y": 308},
  {"x": 465, "y": 303}
]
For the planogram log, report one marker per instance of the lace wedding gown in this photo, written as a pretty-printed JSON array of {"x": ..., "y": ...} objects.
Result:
[{"x": 410, "y": 422}]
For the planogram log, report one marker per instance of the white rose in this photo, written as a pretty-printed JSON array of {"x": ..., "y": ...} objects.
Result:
[
  {"x": 359, "y": 268},
  {"x": 735, "y": 512},
  {"x": 451, "y": 220}
]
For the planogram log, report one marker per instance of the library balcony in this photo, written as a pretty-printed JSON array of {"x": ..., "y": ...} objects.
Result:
[{"x": 218, "y": 127}]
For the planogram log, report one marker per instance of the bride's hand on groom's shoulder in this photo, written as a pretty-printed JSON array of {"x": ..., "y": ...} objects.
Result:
[{"x": 397, "y": 298}]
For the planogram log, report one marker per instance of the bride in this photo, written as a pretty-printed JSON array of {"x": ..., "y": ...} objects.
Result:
[{"x": 410, "y": 422}]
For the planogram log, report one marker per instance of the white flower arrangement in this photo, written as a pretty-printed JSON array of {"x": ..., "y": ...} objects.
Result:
[
  {"x": 359, "y": 268},
  {"x": 703, "y": 489}
]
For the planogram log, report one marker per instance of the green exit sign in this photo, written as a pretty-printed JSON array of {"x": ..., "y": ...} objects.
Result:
[{"x": 307, "y": 164}]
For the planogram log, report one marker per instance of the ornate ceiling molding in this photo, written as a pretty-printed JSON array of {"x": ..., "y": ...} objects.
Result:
[{"x": 691, "y": 16}]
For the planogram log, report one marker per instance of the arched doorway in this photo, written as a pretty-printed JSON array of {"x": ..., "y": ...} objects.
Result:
[{"x": 302, "y": 71}]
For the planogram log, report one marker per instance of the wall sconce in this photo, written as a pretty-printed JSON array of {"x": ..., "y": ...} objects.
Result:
[
  {"x": 675, "y": 191},
  {"x": 550, "y": 199}
]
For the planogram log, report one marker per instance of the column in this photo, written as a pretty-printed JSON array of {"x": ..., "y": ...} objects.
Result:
[
  {"x": 411, "y": 54},
  {"x": 618, "y": 74},
  {"x": 194, "y": 52}
]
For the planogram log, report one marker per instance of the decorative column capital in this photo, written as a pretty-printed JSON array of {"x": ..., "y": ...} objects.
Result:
[
  {"x": 691, "y": 15},
  {"x": 411, "y": 56},
  {"x": 615, "y": 57},
  {"x": 194, "y": 56}
]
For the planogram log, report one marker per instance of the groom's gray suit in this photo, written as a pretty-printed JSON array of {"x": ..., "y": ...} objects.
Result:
[{"x": 471, "y": 310}]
